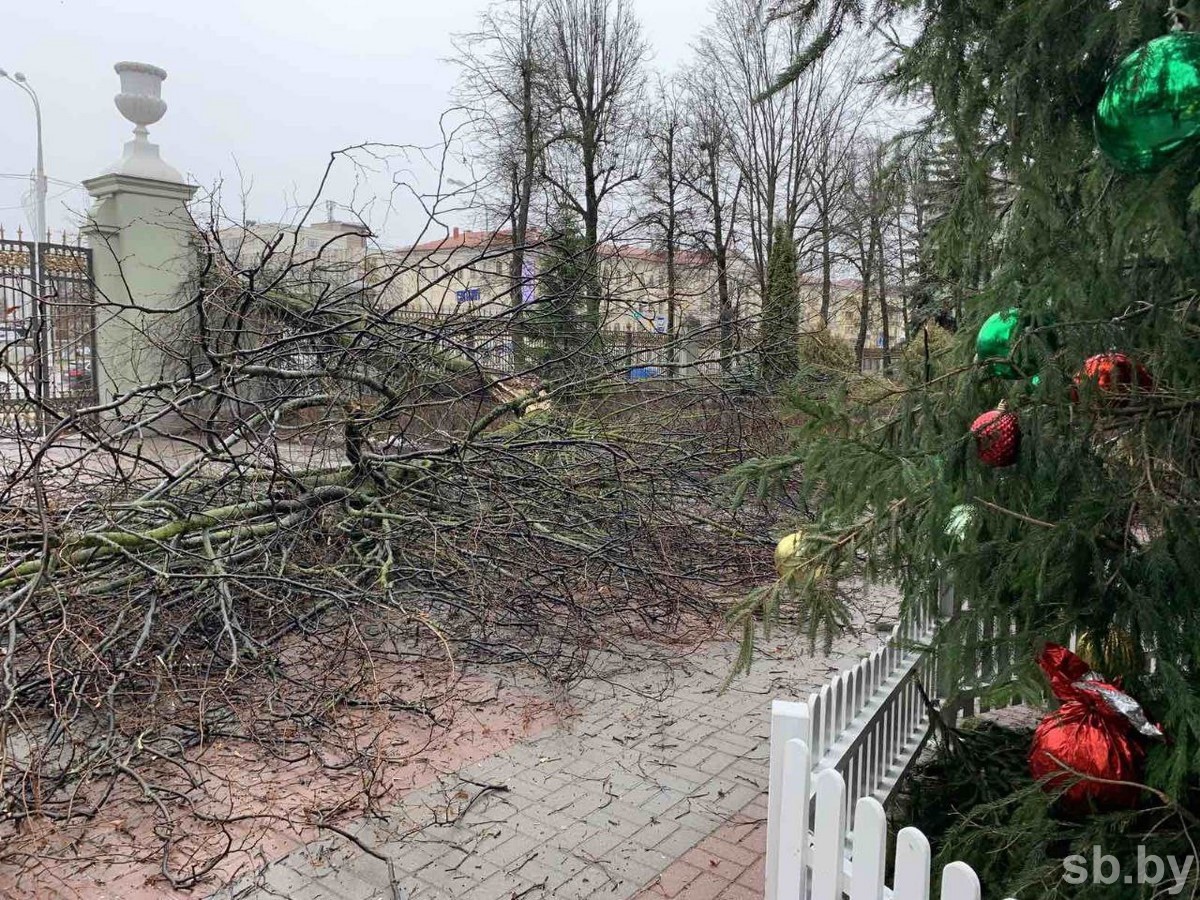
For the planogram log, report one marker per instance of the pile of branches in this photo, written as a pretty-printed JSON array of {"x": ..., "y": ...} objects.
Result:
[{"x": 313, "y": 463}]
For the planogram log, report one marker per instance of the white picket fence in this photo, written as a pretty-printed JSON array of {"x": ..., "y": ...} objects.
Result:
[
  {"x": 847, "y": 747},
  {"x": 810, "y": 861}
]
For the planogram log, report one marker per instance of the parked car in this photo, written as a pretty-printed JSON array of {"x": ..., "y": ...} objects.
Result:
[{"x": 79, "y": 379}]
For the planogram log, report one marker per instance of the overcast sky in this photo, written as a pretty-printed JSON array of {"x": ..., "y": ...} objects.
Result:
[{"x": 258, "y": 91}]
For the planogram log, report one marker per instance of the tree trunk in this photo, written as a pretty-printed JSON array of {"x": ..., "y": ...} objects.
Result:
[
  {"x": 826, "y": 269},
  {"x": 591, "y": 228},
  {"x": 903, "y": 273},
  {"x": 672, "y": 325},
  {"x": 885, "y": 326},
  {"x": 725, "y": 315},
  {"x": 866, "y": 255}
]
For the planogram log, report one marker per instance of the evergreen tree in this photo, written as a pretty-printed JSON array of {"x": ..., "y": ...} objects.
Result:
[
  {"x": 1096, "y": 529},
  {"x": 779, "y": 341},
  {"x": 554, "y": 324}
]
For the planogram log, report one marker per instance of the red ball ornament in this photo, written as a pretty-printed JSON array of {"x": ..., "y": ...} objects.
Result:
[
  {"x": 1096, "y": 733},
  {"x": 1114, "y": 374},
  {"x": 997, "y": 437}
]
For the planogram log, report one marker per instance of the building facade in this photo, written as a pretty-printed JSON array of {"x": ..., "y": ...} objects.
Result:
[{"x": 467, "y": 274}]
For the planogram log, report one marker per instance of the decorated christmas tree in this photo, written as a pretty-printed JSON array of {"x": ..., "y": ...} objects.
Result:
[{"x": 1047, "y": 466}]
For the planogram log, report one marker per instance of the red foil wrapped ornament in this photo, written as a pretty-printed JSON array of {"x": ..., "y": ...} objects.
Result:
[
  {"x": 1097, "y": 732},
  {"x": 1114, "y": 374},
  {"x": 997, "y": 437}
]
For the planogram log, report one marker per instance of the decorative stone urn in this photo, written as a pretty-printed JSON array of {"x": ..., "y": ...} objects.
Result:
[{"x": 141, "y": 102}]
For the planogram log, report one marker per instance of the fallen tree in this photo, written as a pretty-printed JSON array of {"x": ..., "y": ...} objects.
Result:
[{"x": 319, "y": 482}]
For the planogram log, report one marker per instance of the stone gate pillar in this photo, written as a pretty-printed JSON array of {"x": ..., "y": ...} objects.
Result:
[{"x": 141, "y": 234}]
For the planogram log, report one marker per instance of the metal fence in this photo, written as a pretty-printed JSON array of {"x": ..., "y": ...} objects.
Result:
[
  {"x": 47, "y": 332},
  {"x": 490, "y": 342}
]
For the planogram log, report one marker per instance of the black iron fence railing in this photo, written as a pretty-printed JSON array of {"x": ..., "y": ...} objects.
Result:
[{"x": 47, "y": 332}]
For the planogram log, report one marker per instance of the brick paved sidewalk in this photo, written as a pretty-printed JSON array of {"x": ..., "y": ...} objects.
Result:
[{"x": 655, "y": 790}]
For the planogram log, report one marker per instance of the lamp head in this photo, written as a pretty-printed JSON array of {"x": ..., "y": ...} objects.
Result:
[
  {"x": 19, "y": 76},
  {"x": 3, "y": 74}
]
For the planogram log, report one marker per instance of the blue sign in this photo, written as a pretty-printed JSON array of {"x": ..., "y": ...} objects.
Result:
[
  {"x": 529, "y": 279},
  {"x": 468, "y": 295},
  {"x": 642, "y": 372}
]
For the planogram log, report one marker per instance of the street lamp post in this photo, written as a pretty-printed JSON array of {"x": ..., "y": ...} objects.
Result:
[{"x": 39, "y": 235}]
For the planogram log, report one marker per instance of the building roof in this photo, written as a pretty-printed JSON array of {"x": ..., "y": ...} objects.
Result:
[
  {"x": 477, "y": 240},
  {"x": 469, "y": 239}
]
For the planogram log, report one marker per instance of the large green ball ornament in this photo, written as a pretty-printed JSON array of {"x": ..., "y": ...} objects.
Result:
[
  {"x": 1151, "y": 105},
  {"x": 995, "y": 341}
]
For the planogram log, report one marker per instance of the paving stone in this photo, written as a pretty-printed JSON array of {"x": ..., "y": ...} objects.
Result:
[
  {"x": 731, "y": 742},
  {"x": 549, "y": 866},
  {"x": 517, "y": 847},
  {"x": 501, "y": 884},
  {"x": 711, "y": 864},
  {"x": 590, "y": 881},
  {"x": 675, "y": 878},
  {"x": 419, "y": 890},
  {"x": 598, "y": 845},
  {"x": 284, "y": 881},
  {"x": 455, "y": 869},
  {"x": 654, "y": 832},
  {"x": 754, "y": 878},
  {"x": 630, "y": 870},
  {"x": 344, "y": 885},
  {"x": 738, "y": 892},
  {"x": 370, "y": 870},
  {"x": 620, "y": 818},
  {"x": 705, "y": 886},
  {"x": 680, "y": 841},
  {"x": 655, "y": 799},
  {"x": 739, "y": 856},
  {"x": 540, "y": 824}
]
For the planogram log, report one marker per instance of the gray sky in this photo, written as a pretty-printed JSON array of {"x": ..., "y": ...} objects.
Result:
[{"x": 267, "y": 87}]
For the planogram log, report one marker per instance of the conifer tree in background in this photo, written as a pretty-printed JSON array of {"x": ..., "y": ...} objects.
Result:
[
  {"x": 778, "y": 344},
  {"x": 554, "y": 324},
  {"x": 1095, "y": 530}
]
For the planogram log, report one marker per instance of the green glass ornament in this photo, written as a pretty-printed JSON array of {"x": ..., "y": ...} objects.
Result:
[
  {"x": 961, "y": 518},
  {"x": 1151, "y": 104},
  {"x": 995, "y": 341}
]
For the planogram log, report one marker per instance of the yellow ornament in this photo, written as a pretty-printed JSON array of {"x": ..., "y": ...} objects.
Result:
[
  {"x": 785, "y": 552},
  {"x": 1120, "y": 656}
]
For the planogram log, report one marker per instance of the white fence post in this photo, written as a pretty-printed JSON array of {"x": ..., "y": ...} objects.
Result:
[
  {"x": 913, "y": 863},
  {"x": 792, "y": 862},
  {"x": 789, "y": 721},
  {"x": 829, "y": 836},
  {"x": 870, "y": 850},
  {"x": 959, "y": 882}
]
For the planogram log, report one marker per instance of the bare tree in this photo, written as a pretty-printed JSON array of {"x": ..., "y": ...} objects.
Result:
[
  {"x": 595, "y": 87},
  {"x": 876, "y": 194},
  {"x": 859, "y": 237},
  {"x": 842, "y": 103},
  {"x": 504, "y": 70},
  {"x": 667, "y": 208},
  {"x": 769, "y": 137},
  {"x": 709, "y": 175}
]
